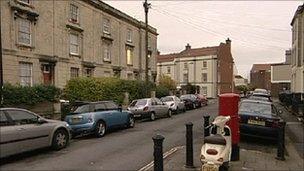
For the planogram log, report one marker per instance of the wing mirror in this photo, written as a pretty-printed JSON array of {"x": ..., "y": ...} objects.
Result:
[{"x": 41, "y": 121}]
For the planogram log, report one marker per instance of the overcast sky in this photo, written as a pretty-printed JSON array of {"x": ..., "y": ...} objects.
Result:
[{"x": 260, "y": 31}]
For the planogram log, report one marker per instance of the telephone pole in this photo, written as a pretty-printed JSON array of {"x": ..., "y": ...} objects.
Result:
[{"x": 146, "y": 7}]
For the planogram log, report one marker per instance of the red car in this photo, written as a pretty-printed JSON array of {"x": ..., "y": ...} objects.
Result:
[{"x": 203, "y": 99}]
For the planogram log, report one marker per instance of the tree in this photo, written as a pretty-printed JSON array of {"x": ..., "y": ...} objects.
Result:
[
  {"x": 242, "y": 88},
  {"x": 167, "y": 82}
]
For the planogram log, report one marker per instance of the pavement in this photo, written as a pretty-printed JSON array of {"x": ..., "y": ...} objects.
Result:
[{"x": 254, "y": 154}]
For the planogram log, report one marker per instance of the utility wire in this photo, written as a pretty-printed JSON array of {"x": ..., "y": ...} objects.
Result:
[
  {"x": 193, "y": 18},
  {"x": 221, "y": 35}
]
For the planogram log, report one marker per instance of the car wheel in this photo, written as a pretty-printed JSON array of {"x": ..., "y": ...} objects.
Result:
[
  {"x": 131, "y": 122},
  {"x": 60, "y": 139},
  {"x": 169, "y": 113},
  {"x": 100, "y": 130},
  {"x": 152, "y": 116}
]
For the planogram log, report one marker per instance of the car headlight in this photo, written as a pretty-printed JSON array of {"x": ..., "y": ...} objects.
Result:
[{"x": 67, "y": 125}]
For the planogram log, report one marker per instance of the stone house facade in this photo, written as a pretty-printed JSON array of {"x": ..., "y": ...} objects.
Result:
[
  {"x": 50, "y": 42},
  {"x": 208, "y": 68},
  {"x": 297, "y": 51}
]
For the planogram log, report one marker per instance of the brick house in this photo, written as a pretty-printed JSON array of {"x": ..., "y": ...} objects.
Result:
[
  {"x": 208, "y": 68},
  {"x": 260, "y": 76}
]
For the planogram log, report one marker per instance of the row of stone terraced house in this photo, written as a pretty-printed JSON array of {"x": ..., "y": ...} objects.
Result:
[{"x": 50, "y": 42}]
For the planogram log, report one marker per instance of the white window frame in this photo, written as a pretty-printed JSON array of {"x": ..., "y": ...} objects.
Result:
[
  {"x": 74, "y": 44},
  {"x": 185, "y": 80},
  {"x": 22, "y": 67},
  {"x": 106, "y": 26},
  {"x": 129, "y": 35},
  {"x": 203, "y": 78},
  {"x": 72, "y": 13},
  {"x": 107, "y": 52},
  {"x": 185, "y": 65},
  {"x": 20, "y": 31},
  {"x": 205, "y": 62},
  {"x": 74, "y": 75},
  {"x": 168, "y": 70}
]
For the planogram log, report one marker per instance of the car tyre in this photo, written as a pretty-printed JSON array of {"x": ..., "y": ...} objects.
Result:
[
  {"x": 100, "y": 130},
  {"x": 60, "y": 139},
  {"x": 169, "y": 113},
  {"x": 131, "y": 122},
  {"x": 152, "y": 116}
]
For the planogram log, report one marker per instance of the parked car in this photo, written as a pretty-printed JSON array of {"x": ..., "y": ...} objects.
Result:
[
  {"x": 264, "y": 95},
  {"x": 258, "y": 119},
  {"x": 191, "y": 101},
  {"x": 175, "y": 104},
  {"x": 151, "y": 108},
  {"x": 98, "y": 117},
  {"x": 260, "y": 98},
  {"x": 22, "y": 130},
  {"x": 259, "y": 90},
  {"x": 203, "y": 99}
]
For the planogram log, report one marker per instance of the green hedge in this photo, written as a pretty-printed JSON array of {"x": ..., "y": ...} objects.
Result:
[
  {"x": 106, "y": 88},
  {"x": 16, "y": 94}
]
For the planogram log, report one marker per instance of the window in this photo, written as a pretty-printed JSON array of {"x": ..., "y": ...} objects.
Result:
[
  {"x": 204, "y": 77},
  {"x": 100, "y": 107},
  {"x": 185, "y": 78},
  {"x": 74, "y": 44},
  {"x": 204, "y": 90},
  {"x": 25, "y": 74},
  {"x": 129, "y": 56},
  {"x": 111, "y": 106},
  {"x": 24, "y": 32},
  {"x": 74, "y": 72},
  {"x": 106, "y": 26},
  {"x": 88, "y": 72},
  {"x": 129, "y": 35},
  {"x": 185, "y": 65},
  {"x": 205, "y": 64},
  {"x": 149, "y": 54},
  {"x": 74, "y": 13},
  {"x": 22, "y": 117},
  {"x": 130, "y": 76},
  {"x": 107, "y": 52},
  {"x": 82, "y": 109},
  {"x": 168, "y": 70},
  {"x": 3, "y": 119}
]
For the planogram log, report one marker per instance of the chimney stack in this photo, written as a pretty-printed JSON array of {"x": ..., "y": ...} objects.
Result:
[
  {"x": 188, "y": 46},
  {"x": 228, "y": 41}
]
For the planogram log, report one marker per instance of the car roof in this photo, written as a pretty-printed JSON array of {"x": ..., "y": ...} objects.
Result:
[
  {"x": 256, "y": 101},
  {"x": 260, "y": 93}
]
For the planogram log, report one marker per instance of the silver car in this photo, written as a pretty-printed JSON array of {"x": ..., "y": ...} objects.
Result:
[
  {"x": 174, "y": 103},
  {"x": 151, "y": 108},
  {"x": 22, "y": 130}
]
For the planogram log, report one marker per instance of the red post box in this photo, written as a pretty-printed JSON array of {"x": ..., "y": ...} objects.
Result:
[{"x": 229, "y": 106}]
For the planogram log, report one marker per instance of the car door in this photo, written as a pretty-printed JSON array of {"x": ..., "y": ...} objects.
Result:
[
  {"x": 163, "y": 108},
  {"x": 31, "y": 134},
  {"x": 9, "y": 136},
  {"x": 179, "y": 103},
  {"x": 114, "y": 115}
]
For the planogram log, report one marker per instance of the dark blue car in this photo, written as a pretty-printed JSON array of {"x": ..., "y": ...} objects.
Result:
[{"x": 98, "y": 117}]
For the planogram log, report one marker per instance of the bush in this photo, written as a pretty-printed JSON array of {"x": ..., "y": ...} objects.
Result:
[
  {"x": 16, "y": 94},
  {"x": 161, "y": 91},
  {"x": 105, "y": 88}
]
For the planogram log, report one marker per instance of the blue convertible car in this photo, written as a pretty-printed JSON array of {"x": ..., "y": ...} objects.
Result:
[{"x": 98, "y": 117}]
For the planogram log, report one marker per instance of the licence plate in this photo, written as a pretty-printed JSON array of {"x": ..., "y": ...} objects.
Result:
[
  {"x": 255, "y": 122},
  {"x": 76, "y": 120},
  {"x": 136, "y": 116},
  {"x": 209, "y": 168}
]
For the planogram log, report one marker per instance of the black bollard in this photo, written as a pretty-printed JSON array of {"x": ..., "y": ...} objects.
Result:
[
  {"x": 281, "y": 141},
  {"x": 158, "y": 152},
  {"x": 206, "y": 124},
  {"x": 189, "y": 146}
]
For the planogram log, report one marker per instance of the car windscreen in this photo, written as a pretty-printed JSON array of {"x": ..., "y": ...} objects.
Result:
[
  {"x": 259, "y": 98},
  {"x": 255, "y": 108},
  {"x": 81, "y": 109},
  {"x": 167, "y": 99},
  {"x": 141, "y": 102},
  {"x": 185, "y": 97}
]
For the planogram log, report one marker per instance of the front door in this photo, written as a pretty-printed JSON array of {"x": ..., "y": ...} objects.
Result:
[{"x": 47, "y": 72}]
